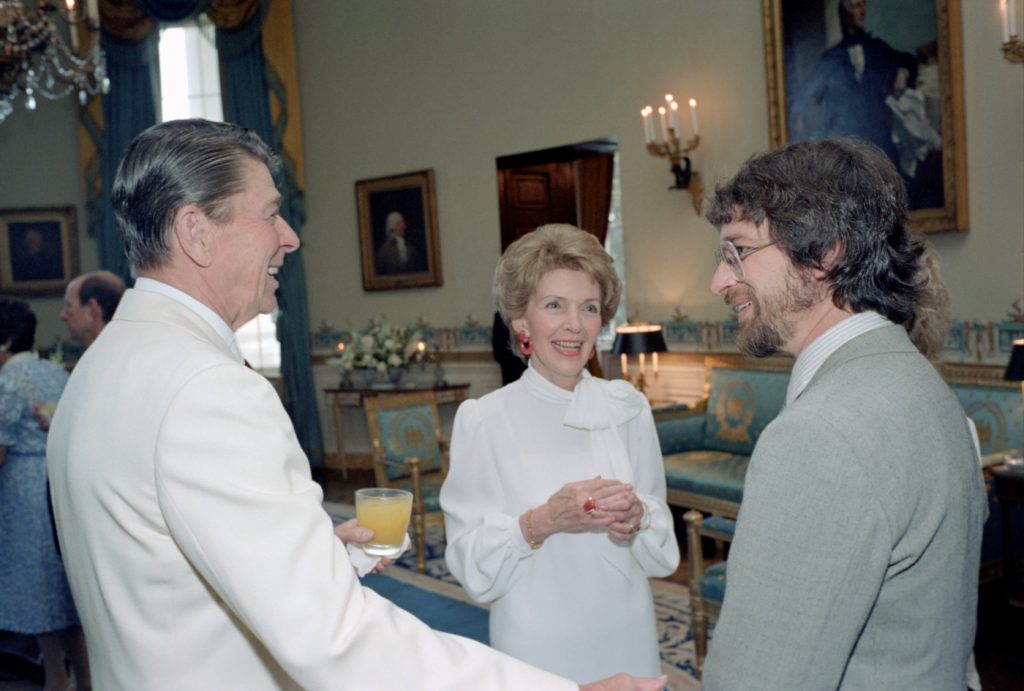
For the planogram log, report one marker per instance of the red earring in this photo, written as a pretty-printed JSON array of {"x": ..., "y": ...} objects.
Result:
[{"x": 525, "y": 347}]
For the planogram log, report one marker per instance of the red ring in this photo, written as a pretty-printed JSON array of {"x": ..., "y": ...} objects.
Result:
[{"x": 589, "y": 505}]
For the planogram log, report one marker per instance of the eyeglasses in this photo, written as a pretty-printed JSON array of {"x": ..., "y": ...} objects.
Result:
[{"x": 733, "y": 256}]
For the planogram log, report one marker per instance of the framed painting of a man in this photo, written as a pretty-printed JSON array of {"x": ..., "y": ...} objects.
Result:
[
  {"x": 888, "y": 71},
  {"x": 398, "y": 231},
  {"x": 38, "y": 250}
]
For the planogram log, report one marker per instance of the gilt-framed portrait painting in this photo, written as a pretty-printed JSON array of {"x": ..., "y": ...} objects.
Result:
[
  {"x": 398, "y": 239},
  {"x": 38, "y": 250},
  {"x": 888, "y": 71}
]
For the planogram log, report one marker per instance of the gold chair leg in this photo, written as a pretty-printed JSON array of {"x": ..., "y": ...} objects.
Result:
[
  {"x": 695, "y": 571},
  {"x": 419, "y": 531}
]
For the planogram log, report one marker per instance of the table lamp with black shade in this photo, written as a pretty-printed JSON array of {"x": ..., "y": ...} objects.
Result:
[
  {"x": 1015, "y": 372},
  {"x": 640, "y": 340}
]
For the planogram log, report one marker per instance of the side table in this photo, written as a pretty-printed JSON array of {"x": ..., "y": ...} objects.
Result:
[{"x": 1008, "y": 486}]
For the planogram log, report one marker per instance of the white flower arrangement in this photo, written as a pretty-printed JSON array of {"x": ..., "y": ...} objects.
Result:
[{"x": 379, "y": 347}]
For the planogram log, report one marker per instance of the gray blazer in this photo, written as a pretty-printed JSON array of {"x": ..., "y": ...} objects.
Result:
[{"x": 855, "y": 564}]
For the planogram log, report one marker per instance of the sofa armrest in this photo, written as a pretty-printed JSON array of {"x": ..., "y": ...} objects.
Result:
[{"x": 681, "y": 428}]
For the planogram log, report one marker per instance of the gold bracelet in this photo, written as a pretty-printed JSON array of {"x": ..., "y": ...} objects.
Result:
[{"x": 531, "y": 539}]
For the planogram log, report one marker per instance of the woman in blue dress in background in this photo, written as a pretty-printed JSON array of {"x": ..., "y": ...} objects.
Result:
[{"x": 34, "y": 594}]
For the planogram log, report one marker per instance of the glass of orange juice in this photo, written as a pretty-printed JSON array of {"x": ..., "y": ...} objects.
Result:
[{"x": 386, "y": 512}]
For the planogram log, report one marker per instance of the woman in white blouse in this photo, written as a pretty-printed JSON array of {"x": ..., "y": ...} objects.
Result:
[{"x": 555, "y": 500}]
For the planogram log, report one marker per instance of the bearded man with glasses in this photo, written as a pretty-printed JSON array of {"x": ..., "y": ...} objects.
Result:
[{"x": 855, "y": 562}]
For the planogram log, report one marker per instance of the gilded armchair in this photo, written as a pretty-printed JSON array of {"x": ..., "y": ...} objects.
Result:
[{"x": 410, "y": 452}]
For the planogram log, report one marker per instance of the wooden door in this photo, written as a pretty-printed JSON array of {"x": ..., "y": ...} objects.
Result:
[
  {"x": 534, "y": 195},
  {"x": 540, "y": 187}
]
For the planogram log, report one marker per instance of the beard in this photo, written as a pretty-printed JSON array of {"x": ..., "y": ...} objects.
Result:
[{"x": 773, "y": 323}]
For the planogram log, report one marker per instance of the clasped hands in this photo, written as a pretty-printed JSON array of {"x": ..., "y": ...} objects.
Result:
[{"x": 588, "y": 504}]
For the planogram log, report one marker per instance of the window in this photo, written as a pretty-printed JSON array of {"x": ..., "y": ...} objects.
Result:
[{"x": 190, "y": 88}]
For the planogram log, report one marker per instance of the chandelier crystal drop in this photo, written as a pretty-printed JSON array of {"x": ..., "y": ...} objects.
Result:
[{"x": 36, "y": 61}]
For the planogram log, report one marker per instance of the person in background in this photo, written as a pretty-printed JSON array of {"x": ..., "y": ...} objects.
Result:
[
  {"x": 857, "y": 548},
  {"x": 89, "y": 303},
  {"x": 195, "y": 540},
  {"x": 846, "y": 92},
  {"x": 512, "y": 366},
  {"x": 34, "y": 594},
  {"x": 554, "y": 503}
]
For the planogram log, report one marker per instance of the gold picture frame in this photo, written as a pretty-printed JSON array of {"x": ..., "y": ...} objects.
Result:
[
  {"x": 398, "y": 237},
  {"x": 812, "y": 65},
  {"x": 38, "y": 250}
]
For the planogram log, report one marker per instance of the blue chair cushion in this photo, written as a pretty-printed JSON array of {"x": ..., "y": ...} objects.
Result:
[
  {"x": 431, "y": 494},
  {"x": 409, "y": 431},
  {"x": 717, "y": 524},
  {"x": 741, "y": 403},
  {"x": 711, "y": 473},
  {"x": 712, "y": 585}
]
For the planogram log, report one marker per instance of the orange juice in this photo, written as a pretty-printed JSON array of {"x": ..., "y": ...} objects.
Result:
[{"x": 386, "y": 512}]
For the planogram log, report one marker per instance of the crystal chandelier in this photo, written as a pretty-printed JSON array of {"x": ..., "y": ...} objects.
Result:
[{"x": 35, "y": 60}]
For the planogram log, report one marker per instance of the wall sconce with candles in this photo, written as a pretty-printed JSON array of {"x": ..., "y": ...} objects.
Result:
[
  {"x": 1013, "y": 46},
  {"x": 670, "y": 146},
  {"x": 641, "y": 340}
]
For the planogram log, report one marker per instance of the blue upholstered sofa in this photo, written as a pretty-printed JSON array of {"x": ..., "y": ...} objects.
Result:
[{"x": 707, "y": 446}]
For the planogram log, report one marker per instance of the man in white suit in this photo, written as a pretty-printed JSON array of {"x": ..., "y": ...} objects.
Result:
[
  {"x": 855, "y": 562},
  {"x": 197, "y": 550}
]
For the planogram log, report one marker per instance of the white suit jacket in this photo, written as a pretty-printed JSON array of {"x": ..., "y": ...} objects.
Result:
[{"x": 198, "y": 552}]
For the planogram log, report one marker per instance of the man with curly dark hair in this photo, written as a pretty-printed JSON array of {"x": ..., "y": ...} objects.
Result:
[{"x": 855, "y": 563}]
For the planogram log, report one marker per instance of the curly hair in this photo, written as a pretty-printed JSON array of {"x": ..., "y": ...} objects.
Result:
[
  {"x": 834, "y": 193},
  {"x": 555, "y": 246}
]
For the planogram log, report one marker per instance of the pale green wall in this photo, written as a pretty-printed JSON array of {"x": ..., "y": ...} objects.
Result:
[
  {"x": 389, "y": 87},
  {"x": 393, "y": 86}
]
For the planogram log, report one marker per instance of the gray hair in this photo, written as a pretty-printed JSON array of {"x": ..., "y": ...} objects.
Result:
[
  {"x": 392, "y": 220},
  {"x": 173, "y": 164}
]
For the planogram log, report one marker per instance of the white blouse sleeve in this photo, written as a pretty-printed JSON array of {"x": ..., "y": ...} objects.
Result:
[
  {"x": 655, "y": 548},
  {"x": 485, "y": 545}
]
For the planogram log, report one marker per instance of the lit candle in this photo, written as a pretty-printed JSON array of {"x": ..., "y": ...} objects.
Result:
[
  {"x": 642, "y": 365},
  {"x": 655, "y": 357},
  {"x": 93, "y": 9},
  {"x": 1006, "y": 20},
  {"x": 693, "y": 116},
  {"x": 673, "y": 119},
  {"x": 624, "y": 365},
  {"x": 1011, "y": 12},
  {"x": 664, "y": 125},
  {"x": 645, "y": 113},
  {"x": 341, "y": 346},
  {"x": 70, "y": 5}
]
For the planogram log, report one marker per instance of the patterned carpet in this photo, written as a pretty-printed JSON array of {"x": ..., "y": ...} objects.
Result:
[{"x": 671, "y": 601}]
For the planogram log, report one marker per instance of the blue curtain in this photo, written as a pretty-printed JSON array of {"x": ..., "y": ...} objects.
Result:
[
  {"x": 244, "y": 86},
  {"x": 128, "y": 109}
]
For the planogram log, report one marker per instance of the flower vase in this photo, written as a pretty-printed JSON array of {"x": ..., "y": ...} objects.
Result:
[{"x": 395, "y": 375}]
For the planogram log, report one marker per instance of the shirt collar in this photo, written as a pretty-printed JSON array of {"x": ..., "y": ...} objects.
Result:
[
  {"x": 814, "y": 355},
  {"x": 208, "y": 315}
]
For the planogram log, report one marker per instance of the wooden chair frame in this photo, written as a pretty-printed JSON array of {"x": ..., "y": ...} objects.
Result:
[{"x": 372, "y": 405}]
